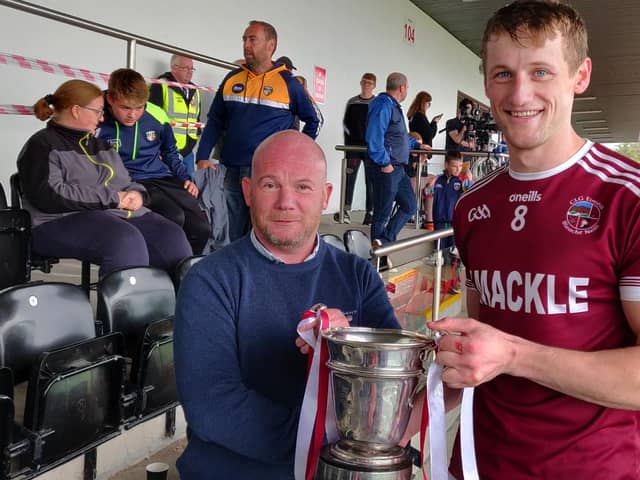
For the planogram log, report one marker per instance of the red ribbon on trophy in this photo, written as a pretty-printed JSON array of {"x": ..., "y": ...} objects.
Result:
[{"x": 317, "y": 414}]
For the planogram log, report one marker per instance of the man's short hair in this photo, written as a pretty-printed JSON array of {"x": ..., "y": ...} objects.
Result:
[
  {"x": 127, "y": 84},
  {"x": 396, "y": 80},
  {"x": 464, "y": 103},
  {"x": 174, "y": 59},
  {"x": 369, "y": 76},
  {"x": 540, "y": 19},
  {"x": 452, "y": 155},
  {"x": 269, "y": 31}
]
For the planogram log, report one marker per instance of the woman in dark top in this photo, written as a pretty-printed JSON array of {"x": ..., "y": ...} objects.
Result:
[
  {"x": 82, "y": 201},
  {"x": 418, "y": 121}
]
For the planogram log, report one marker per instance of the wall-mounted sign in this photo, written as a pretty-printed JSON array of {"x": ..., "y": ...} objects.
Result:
[
  {"x": 409, "y": 32},
  {"x": 319, "y": 84}
]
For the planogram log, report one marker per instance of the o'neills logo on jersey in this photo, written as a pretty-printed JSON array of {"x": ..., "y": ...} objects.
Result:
[
  {"x": 583, "y": 216},
  {"x": 479, "y": 213},
  {"x": 530, "y": 196},
  {"x": 537, "y": 293}
]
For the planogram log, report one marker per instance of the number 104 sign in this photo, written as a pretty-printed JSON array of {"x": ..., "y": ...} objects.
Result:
[{"x": 409, "y": 34}]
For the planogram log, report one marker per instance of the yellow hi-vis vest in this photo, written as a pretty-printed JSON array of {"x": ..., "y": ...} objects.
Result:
[{"x": 178, "y": 111}]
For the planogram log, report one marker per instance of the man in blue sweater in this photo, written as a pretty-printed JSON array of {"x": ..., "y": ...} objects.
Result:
[{"x": 240, "y": 375}]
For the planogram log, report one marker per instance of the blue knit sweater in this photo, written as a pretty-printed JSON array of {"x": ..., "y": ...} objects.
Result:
[{"x": 240, "y": 377}]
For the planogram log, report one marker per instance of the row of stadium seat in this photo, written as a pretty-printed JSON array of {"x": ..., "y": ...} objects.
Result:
[{"x": 86, "y": 378}]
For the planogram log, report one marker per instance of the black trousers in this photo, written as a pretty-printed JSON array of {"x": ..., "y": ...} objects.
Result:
[{"x": 169, "y": 198}]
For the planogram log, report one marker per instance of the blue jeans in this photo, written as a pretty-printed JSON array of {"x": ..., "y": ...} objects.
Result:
[
  {"x": 389, "y": 188},
  {"x": 353, "y": 165},
  {"x": 239, "y": 220}
]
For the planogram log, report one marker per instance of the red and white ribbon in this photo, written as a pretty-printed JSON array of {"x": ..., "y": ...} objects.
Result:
[
  {"x": 317, "y": 414},
  {"x": 438, "y": 428},
  {"x": 16, "y": 110},
  {"x": 81, "y": 73},
  {"x": 467, "y": 440}
]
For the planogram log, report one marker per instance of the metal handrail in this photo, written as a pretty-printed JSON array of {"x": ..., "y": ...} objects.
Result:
[
  {"x": 131, "y": 39},
  {"x": 405, "y": 243},
  {"x": 436, "y": 236},
  {"x": 355, "y": 148}
]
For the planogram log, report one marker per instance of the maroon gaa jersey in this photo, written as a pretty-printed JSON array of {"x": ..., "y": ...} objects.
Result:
[{"x": 552, "y": 255}]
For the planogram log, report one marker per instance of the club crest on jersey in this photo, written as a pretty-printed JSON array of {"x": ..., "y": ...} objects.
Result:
[
  {"x": 267, "y": 91},
  {"x": 151, "y": 135},
  {"x": 114, "y": 142},
  {"x": 583, "y": 216},
  {"x": 237, "y": 88},
  {"x": 456, "y": 186}
]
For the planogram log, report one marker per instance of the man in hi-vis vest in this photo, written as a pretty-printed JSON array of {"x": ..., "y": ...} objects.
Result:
[{"x": 182, "y": 106}]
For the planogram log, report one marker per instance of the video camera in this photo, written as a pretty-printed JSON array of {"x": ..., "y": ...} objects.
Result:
[{"x": 480, "y": 125}]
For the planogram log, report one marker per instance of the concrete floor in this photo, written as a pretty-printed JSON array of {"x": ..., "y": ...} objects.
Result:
[{"x": 167, "y": 455}]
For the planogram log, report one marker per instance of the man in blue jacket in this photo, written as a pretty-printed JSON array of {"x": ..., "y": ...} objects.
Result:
[
  {"x": 252, "y": 102},
  {"x": 141, "y": 133},
  {"x": 389, "y": 143}
]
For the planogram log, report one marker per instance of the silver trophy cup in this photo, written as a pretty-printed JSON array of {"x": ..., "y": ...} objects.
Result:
[{"x": 374, "y": 375}]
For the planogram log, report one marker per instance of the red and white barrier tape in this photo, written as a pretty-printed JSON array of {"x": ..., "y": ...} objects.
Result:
[
  {"x": 81, "y": 73},
  {"x": 16, "y": 110},
  {"x": 53, "y": 68},
  {"x": 27, "y": 110},
  {"x": 181, "y": 85},
  {"x": 188, "y": 125}
]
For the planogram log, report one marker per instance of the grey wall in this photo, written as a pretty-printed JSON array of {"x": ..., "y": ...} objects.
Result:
[{"x": 345, "y": 38}]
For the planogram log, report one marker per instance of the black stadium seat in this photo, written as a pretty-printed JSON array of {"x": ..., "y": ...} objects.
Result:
[
  {"x": 140, "y": 303},
  {"x": 75, "y": 380},
  {"x": 358, "y": 243},
  {"x": 183, "y": 267},
  {"x": 334, "y": 240},
  {"x": 3, "y": 198},
  {"x": 36, "y": 262}
]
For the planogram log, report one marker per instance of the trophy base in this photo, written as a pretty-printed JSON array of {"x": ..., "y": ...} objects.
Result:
[{"x": 345, "y": 461}]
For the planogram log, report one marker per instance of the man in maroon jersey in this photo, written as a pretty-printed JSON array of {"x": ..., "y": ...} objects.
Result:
[{"x": 551, "y": 245}]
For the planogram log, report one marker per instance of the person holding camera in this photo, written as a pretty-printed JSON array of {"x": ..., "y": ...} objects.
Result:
[{"x": 457, "y": 129}]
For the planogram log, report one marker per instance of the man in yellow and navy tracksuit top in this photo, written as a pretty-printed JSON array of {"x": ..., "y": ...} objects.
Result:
[
  {"x": 252, "y": 102},
  {"x": 182, "y": 106}
]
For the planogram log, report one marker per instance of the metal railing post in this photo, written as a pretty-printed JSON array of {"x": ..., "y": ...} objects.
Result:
[
  {"x": 418, "y": 192},
  {"x": 131, "y": 53},
  {"x": 343, "y": 189},
  {"x": 437, "y": 279}
]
